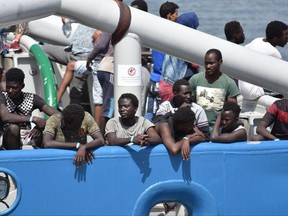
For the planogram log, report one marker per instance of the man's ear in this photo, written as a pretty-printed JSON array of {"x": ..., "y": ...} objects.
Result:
[
  {"x": 168, "y": 16},
  {"x": 221, "y": 61},
  {"x": 23, "y": 85}
]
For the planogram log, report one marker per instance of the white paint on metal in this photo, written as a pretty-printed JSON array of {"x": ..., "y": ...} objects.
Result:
[{"x": 160, "y": 34}]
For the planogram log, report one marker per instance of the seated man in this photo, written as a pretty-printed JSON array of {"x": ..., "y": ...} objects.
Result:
[
  {"x": 213, "y": 88},
  {"x": 69, "y": 130},
  {"x": 17, "y": 127},
  {"x": 227, "y": 128},
  {"x": 183, "y": 98},
  {"x": 276, "y": 114},
  {"x": 179, "y": 131},
  {"x": 128, "y": 128}
]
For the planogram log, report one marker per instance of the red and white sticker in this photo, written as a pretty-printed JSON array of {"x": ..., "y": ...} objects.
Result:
[
  {"x": 129, "y": 75},
  {"x": 131, "y": 71}
]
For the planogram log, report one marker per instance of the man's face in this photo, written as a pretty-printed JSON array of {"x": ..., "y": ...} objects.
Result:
[
  {"x": 184, "y": 129},
  {"x": 13, "y": 89},
  {"x": 184, "y": 94},
  {"x": 228, "y": 119},
  {"x": 282, "y": 41},
  {"x": 126, "y": 108},
  {"x": 212, "y": 64},
  {"x": 240, "y": 36},
  {"x": 173, "y": 16}
]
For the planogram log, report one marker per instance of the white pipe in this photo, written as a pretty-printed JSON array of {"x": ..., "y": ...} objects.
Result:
[
  {"x": 171, "y": 38},
  {"x": 100, "y": 14},
  {"x": 127, "y": 74},
  {"x": 27, "y": 41},
  {"x": 18, "y": 11},
  {"x": 266, "y": 101},
  {"x": 49, "y": 30},
  {"x": 184, "y": 42}
]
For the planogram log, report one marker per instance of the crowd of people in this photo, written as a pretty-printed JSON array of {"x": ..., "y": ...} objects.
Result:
[{"x": 183, "y": 107}]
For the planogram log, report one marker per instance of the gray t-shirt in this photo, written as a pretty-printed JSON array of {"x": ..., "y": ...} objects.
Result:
[{"x": 115, "y": 125}]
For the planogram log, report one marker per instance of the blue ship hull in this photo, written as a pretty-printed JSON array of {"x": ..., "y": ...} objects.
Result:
[{"x": 219, "y": 179}]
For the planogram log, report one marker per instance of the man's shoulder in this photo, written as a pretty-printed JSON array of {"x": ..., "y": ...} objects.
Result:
[
  {"x": 32, "y": 95},
  {"x": 196, "y": 78},
  {"x": 54, "y": 120},
  {"x": 282, "y": 104},
  {"x": 198, "y": 75},
  {"x": 262, "y": 46},
  {"x": 229, "y": 84},
  {"x": 141, "y": 119},
  {"x": 29, "y": 93},
  {"x": 56, "y": 116},
  {"x": 87, "y": 115},
  {"x": 196, "y": 106},
  {"x": 256, "y": 40},
  {"x": 144, "y": 122},
  {"x": 88, "y": 119},
  {"x": 226, "y": 79},
  {"x": 165, "y": 103},
  {"x": 114, "y": 120}
]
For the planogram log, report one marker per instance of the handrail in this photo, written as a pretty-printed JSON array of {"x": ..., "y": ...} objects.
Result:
[
  {"x": 47, "y": 75},
  {"x": 45, "y": 67},
  {"x": 246, "y": 64}
]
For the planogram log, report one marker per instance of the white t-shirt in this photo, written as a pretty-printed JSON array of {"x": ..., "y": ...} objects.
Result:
[
  {"x": 250, "y": 91},
  {"x": 263, "y": 47}
]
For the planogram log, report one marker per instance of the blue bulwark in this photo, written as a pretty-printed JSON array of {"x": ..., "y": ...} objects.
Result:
[{"x": 235, "y": 179}]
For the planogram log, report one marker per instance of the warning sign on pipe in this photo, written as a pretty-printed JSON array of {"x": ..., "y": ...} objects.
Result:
[{"x": 129, "y": 75}]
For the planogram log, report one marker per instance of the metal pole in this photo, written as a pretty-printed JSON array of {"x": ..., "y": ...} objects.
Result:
[
  {"x": 19, "y": 11},
  {"x": 163, "y": 35},
  {"x": 127, "y": 69}
]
